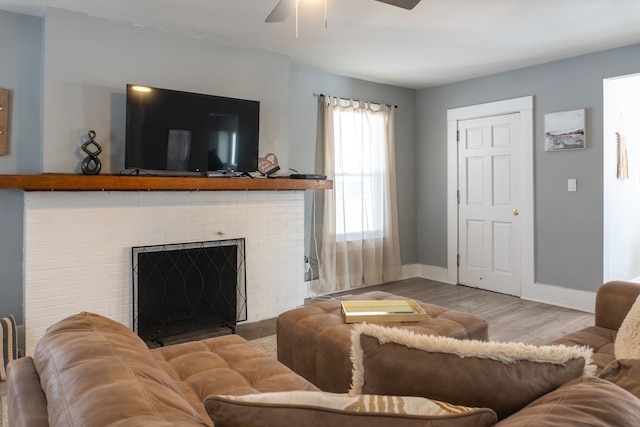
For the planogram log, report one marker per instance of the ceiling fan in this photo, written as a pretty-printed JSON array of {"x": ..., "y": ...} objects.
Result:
[{"x": 284, "y": 8}]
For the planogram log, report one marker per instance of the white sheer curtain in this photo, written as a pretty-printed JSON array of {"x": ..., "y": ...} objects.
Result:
[{"x": 360, "y": 244}]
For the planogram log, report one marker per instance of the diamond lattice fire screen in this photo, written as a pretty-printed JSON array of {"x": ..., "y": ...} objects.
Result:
[{"x": 188, "y": 289}]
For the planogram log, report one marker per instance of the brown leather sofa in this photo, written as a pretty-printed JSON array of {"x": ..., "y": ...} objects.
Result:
[
  {"x": 612, "y": 397},
  {"x": 92, "y": 371},
  {"x": 613, "y": 301},
  {"x": 89, "y": 371}
]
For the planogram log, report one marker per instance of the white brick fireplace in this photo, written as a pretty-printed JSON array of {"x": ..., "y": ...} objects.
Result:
[{"x": 78, "y": 247}]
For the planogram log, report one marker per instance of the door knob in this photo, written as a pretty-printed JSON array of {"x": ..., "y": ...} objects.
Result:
[{"x": 516, "y": 212}]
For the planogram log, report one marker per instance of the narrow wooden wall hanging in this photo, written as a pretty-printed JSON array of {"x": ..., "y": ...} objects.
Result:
[{"x": 4, "y": 122}]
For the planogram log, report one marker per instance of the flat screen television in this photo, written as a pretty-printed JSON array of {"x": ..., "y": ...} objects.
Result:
[{"x": 189, "y": 133}]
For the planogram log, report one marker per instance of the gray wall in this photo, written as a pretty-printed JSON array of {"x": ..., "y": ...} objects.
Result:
[
  {"x": 568, "y": 226},
  {"x": 88, "y": 61},
  {"x": 20, "y": 73},
  {"x": 11, "y": 257},
  {"x": 20, "y": 41}
]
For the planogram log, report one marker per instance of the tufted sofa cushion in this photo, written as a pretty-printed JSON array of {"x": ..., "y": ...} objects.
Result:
[
  {"x": 601, "y": 340},
  {"x": 224, "y": 365}
]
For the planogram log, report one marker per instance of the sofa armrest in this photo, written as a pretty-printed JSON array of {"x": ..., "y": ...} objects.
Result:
[
  {"x": 613, "y": 301},
  {"x": 26, "y": 400}
]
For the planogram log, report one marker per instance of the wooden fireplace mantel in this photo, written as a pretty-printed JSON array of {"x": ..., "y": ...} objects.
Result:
[{"x": 74, "y": 182}]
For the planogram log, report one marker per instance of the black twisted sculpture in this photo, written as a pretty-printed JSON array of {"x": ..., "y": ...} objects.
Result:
[{"x": 91, "y": 164}]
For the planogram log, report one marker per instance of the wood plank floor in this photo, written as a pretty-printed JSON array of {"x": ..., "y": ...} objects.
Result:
[{"x": 510, "y": 318}]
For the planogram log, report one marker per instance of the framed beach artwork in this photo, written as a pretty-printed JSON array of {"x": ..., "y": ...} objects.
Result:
[{"x": 564, "y": 130}]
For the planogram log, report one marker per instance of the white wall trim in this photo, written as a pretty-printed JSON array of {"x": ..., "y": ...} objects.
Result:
[
  {"x": 491, "y": 109},
  {"x": 545, "y": 294},
  {"x": 524, "y": 106},
  {"x": 561, "y": 297},
  {"x": 430, "y": 272}
]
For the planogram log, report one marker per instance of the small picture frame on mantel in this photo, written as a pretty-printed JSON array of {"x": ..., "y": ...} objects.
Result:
[{"x": 564, "y": 130}]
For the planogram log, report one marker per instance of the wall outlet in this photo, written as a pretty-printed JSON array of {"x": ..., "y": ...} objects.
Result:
[{"x": 308, "y": 273}]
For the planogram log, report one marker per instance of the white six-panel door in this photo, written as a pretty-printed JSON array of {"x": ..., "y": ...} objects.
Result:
[{"x": 489, "y": 241}]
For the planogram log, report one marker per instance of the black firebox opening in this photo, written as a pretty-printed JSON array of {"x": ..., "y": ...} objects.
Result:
[{"x": 188, "y": 290}]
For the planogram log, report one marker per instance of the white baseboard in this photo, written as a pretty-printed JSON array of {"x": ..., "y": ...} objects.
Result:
[
  {"x": 430, "y": 272},
  {"x": 538, "y": 292},
  {"x": 547, "y": 294},
  {"x": 562, "y": 297}
]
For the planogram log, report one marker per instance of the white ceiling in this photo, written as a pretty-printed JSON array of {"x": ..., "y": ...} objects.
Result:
[{"x": 440, "y": 41}]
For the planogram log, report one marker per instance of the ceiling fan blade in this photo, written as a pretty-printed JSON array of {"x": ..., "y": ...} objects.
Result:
[
  {"x": 405, "y": 4},
  {"x": 281, "y": 12}
]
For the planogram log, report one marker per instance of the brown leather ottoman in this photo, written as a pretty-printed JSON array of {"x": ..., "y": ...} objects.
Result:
[{"x": 315, "y": 342}]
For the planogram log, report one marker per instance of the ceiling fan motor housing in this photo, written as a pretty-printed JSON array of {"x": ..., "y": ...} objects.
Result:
[{"x": 284, "y": 8}]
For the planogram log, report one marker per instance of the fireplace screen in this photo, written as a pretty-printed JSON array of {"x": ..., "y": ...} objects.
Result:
[{"x": 196, "y": 289}]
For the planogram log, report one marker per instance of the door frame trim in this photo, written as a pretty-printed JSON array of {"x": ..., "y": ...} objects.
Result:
[{"x": 524, "y": 106}]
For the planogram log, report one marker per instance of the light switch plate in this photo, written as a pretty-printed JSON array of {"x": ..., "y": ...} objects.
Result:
[{"x": 572, "y": 185}]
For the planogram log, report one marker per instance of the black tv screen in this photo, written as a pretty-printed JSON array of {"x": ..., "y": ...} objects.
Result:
[{"x": 183, "y": 132}]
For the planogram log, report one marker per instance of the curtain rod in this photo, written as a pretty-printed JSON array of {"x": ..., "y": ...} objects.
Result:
[{"x": 357, "y": 100}]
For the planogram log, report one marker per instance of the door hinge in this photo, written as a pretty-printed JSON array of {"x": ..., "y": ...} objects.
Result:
[
  {"x": 458, "y": 260},
  {"x": 457, "y": 136},
  {"x": 458, "y": 196}
]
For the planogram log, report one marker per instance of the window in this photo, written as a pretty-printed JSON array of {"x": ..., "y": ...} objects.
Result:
[{"x": 359, "y": 137}]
